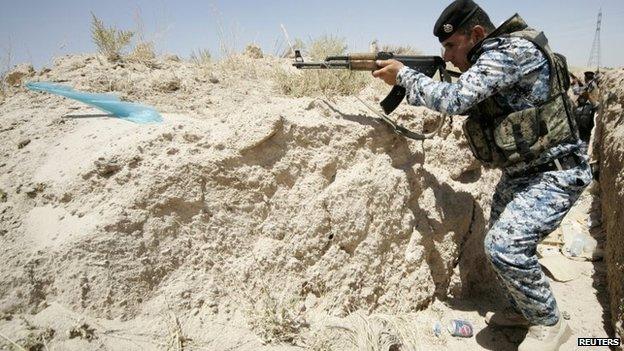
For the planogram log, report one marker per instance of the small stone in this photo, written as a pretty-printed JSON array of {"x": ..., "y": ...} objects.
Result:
[
  {"x": 22, "y": 143},
  {"x": 213, "y": 80},
  {"x": 565, "y": 315},
  {"x": 107, "y": 168},
  {"x": 172, "y": 58},
  {"x": 30, "y": 191}
]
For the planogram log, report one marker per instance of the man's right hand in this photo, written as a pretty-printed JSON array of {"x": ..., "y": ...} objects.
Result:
[{"x": 388, "y": 70}]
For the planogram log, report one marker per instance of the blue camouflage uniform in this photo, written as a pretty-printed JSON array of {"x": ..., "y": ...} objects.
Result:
[{"x": 525, "y": 207}]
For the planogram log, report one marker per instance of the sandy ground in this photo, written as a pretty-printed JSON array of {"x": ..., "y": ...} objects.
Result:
[{"x": 222, "y": 227}]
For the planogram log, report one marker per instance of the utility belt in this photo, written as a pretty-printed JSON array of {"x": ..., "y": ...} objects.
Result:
[{"x": 562, "y": 163}]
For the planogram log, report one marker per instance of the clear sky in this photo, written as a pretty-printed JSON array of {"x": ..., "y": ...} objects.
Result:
[{"x": 37, "y": 31}]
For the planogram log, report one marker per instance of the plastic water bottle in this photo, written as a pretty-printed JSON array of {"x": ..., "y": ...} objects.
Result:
[{"x": 576, "y": 248}]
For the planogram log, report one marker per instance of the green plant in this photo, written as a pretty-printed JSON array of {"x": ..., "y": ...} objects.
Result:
[{"x": 109, "y": 41}]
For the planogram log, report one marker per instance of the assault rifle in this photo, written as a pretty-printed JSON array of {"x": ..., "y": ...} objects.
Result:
[{"x": 427, "y": 65}]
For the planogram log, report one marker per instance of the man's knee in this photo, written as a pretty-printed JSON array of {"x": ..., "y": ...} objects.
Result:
[
  {"x": 488, "y": 244},
  {"x": 499, "y": 251}
]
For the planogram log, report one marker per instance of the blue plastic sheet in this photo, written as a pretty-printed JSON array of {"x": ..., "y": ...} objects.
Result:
[{"x": 106, "y": 102}]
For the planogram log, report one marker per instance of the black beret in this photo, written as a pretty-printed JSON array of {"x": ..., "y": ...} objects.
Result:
[{"x": 456, "y": 14}]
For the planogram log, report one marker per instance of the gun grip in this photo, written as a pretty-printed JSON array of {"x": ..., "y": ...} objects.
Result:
[{"x": 394, "y": 98}]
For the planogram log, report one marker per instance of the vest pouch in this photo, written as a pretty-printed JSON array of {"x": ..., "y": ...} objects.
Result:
[
  {"x": 478, "y": 140},
  {"x": 558, "y": 118},
  {"x": 517, "y": 133}
]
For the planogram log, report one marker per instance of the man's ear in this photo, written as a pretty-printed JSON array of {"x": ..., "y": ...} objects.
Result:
[{"x": 478, "y": 33}]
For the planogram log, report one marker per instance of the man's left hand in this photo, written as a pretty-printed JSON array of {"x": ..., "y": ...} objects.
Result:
[{"x": 388, "y": 70}]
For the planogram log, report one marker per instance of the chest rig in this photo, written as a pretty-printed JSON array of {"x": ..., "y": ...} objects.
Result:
[{"x": 498, "y": 135}]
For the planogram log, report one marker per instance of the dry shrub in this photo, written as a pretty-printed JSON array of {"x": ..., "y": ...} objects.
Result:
[
  {"x": 401, "y": 50},
  {"x": 253, "y": 51},
  {"x": 143, "y": 53},
  {"x": 166, "y": 82},
  {"x": 201, "y": 57},
  {"x": 380, "y": 332},
  {"x": 324, "y": 46},
  {"x": 240, "y": 66},
  {"x": 109, "y": 41},
  {"x": 5, "y": 63},
  {"x": 288, "y": 51},
  {"x": 322, "y": 82},
  {"x": 276, "y": 316},
  {"x": 2, "y": 87}
]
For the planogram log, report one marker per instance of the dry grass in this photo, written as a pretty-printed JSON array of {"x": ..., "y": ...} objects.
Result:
[
  {"x": 380, "y": 332},
  {"x": 401, "y": 50},
  {"x": 228, "y": 37},
  {"x": 321, "y": 82},
  {"x": 324, "y": 46},
  {"x": 283, "y": 49},
  {"x": 316, "y": 83},
  {"x": 201, "y": 57},
  {"x": 275, "y": 316},
  {"x": 5, "y": 64},
  {"x": 241, "y": 66},
  {"x": 253, "y": 51},
  {"x": 109, "y": 41},
  {"x": 143, "y": 53}
]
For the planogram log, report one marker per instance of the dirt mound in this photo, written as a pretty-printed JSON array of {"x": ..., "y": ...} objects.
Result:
[
  {"x": 239, "y": 197},
  {"x": 610, "y": 154}
]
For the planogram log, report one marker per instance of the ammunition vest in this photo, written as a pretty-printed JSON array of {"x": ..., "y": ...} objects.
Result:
[{"x": 499, "y": 136}]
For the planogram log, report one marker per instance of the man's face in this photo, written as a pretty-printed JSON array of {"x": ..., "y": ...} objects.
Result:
[{"x": 457, "y": 46}]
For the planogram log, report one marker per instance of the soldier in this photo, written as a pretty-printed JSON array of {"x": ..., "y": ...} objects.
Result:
[
  {"x": 513, "y": 89},
  {"x": 586, "y": 104}
]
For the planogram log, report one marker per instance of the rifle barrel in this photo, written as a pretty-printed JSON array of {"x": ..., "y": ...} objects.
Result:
[{"x": 322, "y": 65}]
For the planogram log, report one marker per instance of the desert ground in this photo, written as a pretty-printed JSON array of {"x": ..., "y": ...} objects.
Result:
[{"x": 267, "y": 211}]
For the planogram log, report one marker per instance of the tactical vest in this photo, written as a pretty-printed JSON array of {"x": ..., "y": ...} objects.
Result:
[{"x": 499, "y": 136}]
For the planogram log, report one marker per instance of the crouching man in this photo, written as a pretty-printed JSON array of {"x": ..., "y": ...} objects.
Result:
[{"x": 520, "y": 119}]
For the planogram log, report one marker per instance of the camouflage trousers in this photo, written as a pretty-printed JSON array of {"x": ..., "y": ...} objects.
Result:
[{"x": 524, "y": 211}]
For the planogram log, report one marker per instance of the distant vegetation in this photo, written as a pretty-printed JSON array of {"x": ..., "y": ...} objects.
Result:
[
  {"x": 201, "y": 57},
  {"x": 5, "y": 64},
  {"x": 321, "y": 82},
  {"x": 401, "y": 49},
  {"x": 110, "y": 41}
]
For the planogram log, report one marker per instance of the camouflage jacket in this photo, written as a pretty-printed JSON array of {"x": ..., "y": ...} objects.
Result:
[{"x": 513, "y": 67}]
